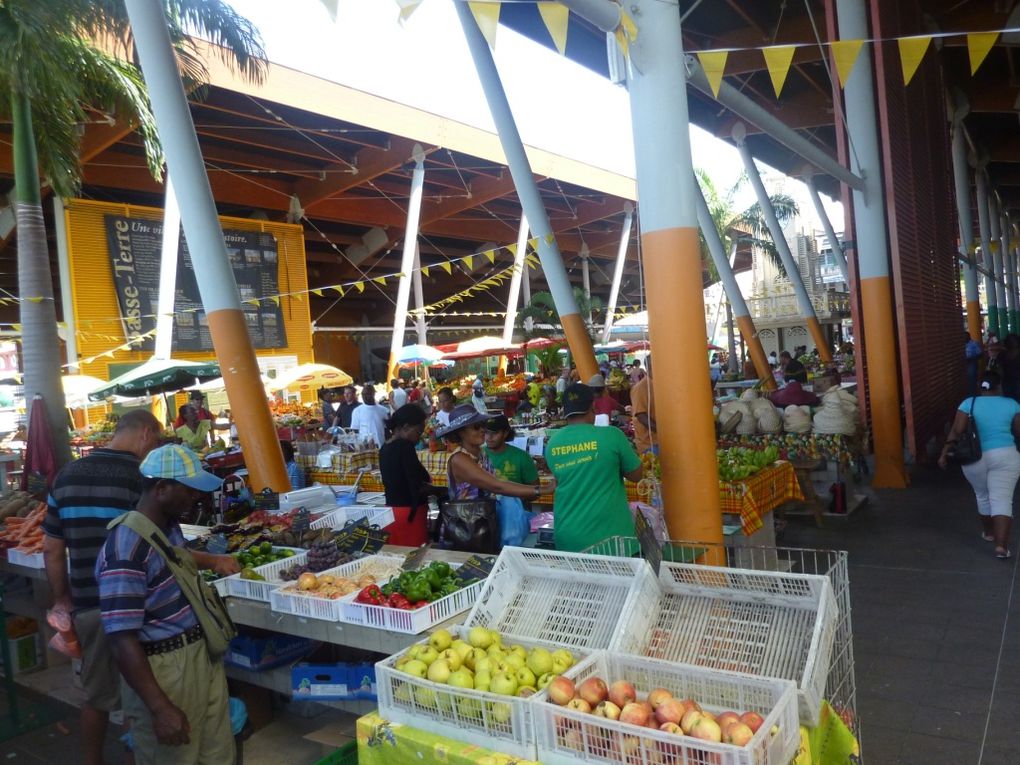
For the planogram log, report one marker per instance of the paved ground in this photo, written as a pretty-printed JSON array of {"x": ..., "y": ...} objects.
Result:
[{"x": 937, "y": 638}]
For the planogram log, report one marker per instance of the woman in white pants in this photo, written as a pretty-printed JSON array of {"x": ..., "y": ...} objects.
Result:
[{"x": 994, "y": 476}]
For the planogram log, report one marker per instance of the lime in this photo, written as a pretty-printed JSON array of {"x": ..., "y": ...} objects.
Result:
[
  {"x": 287, "y": 553},
  {"x": 265, "y": 548}
]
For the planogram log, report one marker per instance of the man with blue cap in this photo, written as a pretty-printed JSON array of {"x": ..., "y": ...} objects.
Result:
[{"x": 176, "y": 691}]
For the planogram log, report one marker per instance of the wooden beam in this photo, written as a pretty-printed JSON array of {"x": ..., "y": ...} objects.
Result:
[{"x": 483, "y": 189}]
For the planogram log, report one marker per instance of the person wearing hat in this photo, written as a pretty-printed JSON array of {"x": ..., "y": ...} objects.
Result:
[
  {"x": 549, "y": 403},
  {"x": 406, "y": 481},
  {"x": 478, "y": 396},
  {"x": 176, "y": 695},
  {"x": 604, "y": 403},
  {"x": 589, "y": 465},
  {"x": 469, "y": 473},
  {"x": 197, "y": 400},
  {"x": 509, "y": 463}
]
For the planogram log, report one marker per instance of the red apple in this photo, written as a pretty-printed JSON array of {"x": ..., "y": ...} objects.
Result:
[
  {"x": 593, "y": 690},
  {"x": 692, "y": 704},
  {"x": 646, "y": 705},
  {"x": 561, "y": 690},
  {"x": 607, "y": 709},
  {"x": 690, "y": 718},
  {"x": 706, "y": 730},
  {"x": 671, "y": 711},
  {"x": 635, "y": 714},
  {"x": 670, "y": 727},
  {"x": 574, "y": 740},
  {"x": 726, "y": 718},
  {"x": 752, "y": 720},
  {"x": 737, "y": 733},
  {"x": 579, "y": 705},
  {"x": 622, "y": 693},
  {"x": 658, "y": 696}
]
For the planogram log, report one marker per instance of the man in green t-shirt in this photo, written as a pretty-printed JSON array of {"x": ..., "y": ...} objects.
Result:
[
  {"x": 589, "y": 464},
  {"x": 508, "y": 462}
]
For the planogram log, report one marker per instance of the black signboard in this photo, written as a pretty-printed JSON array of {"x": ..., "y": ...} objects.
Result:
[
  {"x": 650, "y": 549},
  {"x": 135, "y": 246},
  {"x": 301, "y": 522},
  {"x": 416, "y": 557},
  {"x": 360, "y": 537},
  {"x": 267, "y": 500},
  {"x": 475, "y": 567}
]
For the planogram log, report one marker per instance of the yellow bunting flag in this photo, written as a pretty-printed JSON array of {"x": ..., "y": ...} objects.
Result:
[
  {"x": 407, "y": 7},
  {"x": 533, "y": 243},
  {"x": 469, "y": 261},
  {"x": 491, "y": 255},
  {"x": 275, "y": 299},
  {"x": 555, "y": 16},
  {"x": 340, "y": 290},
  {"x": 16, "y": 327},
  {"x": 318, "y": 293},
  {"x": 777, "y": 60},
  {"x": 253, "y": 301},
  {"x": 487, "y": 16},
  {"x": 550, "y": 238},
  {"x": 713, "y": 63},
  {"x": 359, "y": 286},
  {"x": 445, "y": 265},
  {"x": 380, "y": 280},
  {"x": 912, "y": 50},
  {"x": 425, "y": 271},
  {"x": 511, "y": 248},
  {"x": 993, "y": 246},
  {"x": 844, "y": 54},
  {"x": 978, "y": 46}
]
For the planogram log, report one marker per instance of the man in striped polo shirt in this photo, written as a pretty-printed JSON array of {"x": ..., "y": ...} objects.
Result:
[
  {"x": 87, "y": 494},
  {"x": 176, "y": 695}
]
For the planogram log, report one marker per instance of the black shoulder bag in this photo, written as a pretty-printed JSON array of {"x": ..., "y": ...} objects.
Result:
[{"x": 967, "y": 448}]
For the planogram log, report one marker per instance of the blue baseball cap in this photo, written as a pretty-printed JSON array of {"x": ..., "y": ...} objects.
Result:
[{"x": 178, "y": 463}]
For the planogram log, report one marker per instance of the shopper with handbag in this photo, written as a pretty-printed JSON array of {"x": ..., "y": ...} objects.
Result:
[
  {"x": 469, "y": 518},
  {"x": 168, "y": 630},
  {"x": 983, "y": 441}
]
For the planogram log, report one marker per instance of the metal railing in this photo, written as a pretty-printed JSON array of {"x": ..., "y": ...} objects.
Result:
[{"x": 828, "y": 305}]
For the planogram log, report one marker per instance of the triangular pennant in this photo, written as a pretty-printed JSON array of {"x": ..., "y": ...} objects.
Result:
[
  {"x": 491, "y": 255},
  {"x": 555, "y": 16},
  {"x": 550, "y": 238},
  {"x": 317, "y": 293},
  {"x": 978, "y": 46},
  {"x": 425, "y": 270},
  {"x": 380, "y": 280},
  {"x": 844, "y": 54},
  {"x": 487, "y": 16},
  {"x": 511, "y": 248},
  {"x": 407, "y": 7},
  {"x": 912, "y": 50},
  {"x": 340, "y": 290},
  {"x": 275, "y": 299},
  {"x": 469, "y": 261},
  {"x": 777, "y": 60},
  {"x": 621, "y": 40},
  {"x": 445, "y": 265},
  {"x": 16, "y": 327},
  {"x": 253, "y": 301},
  {"x": 713, "y": 63},
  {"x": 359, "y": 286},
  {"x": 533, "y": 243}
]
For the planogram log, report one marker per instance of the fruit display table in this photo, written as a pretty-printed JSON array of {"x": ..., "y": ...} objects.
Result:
[
  {"x": 760, "y": 494},
  {"x": 381, "y": 742},
  {"x": 800, "y": 446}
]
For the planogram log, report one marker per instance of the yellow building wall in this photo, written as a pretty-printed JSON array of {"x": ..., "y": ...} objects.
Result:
[{"x": 97, "y": 322}]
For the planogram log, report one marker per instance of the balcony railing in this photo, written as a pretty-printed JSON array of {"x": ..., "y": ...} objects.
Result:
[{"x": 828, "y": 305}]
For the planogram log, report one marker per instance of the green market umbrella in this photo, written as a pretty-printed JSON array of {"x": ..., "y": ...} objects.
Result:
[{"x": 157, "y": 376}]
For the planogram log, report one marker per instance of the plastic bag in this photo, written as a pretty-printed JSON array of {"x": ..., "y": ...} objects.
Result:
[{"x": 514, "y": 521}]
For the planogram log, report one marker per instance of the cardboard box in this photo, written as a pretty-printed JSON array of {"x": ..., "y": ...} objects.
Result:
[
  {"x": 263, "y": 653},
  {"x": 333, "y": 682},
  {"x": 26, "y": 653}
]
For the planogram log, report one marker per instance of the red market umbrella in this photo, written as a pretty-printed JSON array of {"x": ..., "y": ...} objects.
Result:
[{"x": 39, "y": 456}]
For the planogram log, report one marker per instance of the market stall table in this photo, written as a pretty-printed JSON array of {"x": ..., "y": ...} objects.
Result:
[
  {"x": 760, "y": 494},
  {"x": 800, "y": 446}
]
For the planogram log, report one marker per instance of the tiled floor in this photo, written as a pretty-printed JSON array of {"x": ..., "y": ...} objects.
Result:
[{"x": 936, "y": 636}]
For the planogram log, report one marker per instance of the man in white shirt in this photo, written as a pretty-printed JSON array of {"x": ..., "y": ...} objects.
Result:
[
  {"x": 398, "y": 396},
  {"x": 369, "y": 418}
]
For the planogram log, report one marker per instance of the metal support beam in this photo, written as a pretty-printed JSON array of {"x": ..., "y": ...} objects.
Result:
[
  {"x": 830, "y": 233},
  {"x": 419, "y": 301},
  {"x": 407, "y": 260},
  {"x": 514, "y": 296},
  {"x": 985, "y": 228},
  {"x": 167, "y": 274},
  {"x": 962, "y": 186},
  {"x": 621, "y": 259}
]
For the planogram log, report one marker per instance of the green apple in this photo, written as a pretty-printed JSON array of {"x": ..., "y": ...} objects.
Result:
[
  {"x": 452, "y": 658},
  {"x": 559, "y": 665},
  {"x": 564, "y": 656},
  {"x": 545, "y": 679},
  {"x": 500, "y": 711},
  {"x": 496, "y": 651},
  {"x": 502, "y": 666},
  {"x": 503, "y": 684},
  {"x": 416, "y": 667},
  {"x": 515, "y": 660},
  {"x": 427, "y": 654},
  {"x": 472, "y": 658},
  {"x": 460, "y": 647},
  {"x": 520, "y": 651},
  {"x": 483, "y": 681},
  {"x": 461, "y": 679},
  {"x": 469, "y": 707},
  {"x": 403, "y": 693},
  {"x": 439, "y": 671},
  {"x": 497, "y": 639},
  {"x": 525, "y": 677},
  {"x": 440, "y": 640},
  {"x": 399, "y": 663},
  {"x": 486, "y": 664},
  {"x": 480, "y": 637},
  {"x": 539, "y": 661},
  {"x": 425, "y": 697}
]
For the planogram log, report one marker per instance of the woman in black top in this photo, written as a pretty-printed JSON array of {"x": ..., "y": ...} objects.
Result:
[{"x": 404, "y": 477}]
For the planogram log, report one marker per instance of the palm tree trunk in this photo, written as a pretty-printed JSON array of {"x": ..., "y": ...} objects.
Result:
[{"x": 40, "y": 346}]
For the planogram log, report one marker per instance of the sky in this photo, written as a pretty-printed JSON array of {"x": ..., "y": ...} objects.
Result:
[{"x": 558, "y": 105}]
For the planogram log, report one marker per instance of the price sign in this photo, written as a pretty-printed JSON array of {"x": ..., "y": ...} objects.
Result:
[
  {"x": 416, "y": 557},
  {"x": 302, "y": 521},
  {"x": 360, "y": 537},
  {"x": 650, "y": 549},
  {"x": 475, "y": 567},
  {"x": 267, "y": 500},
  {"x": 216, "y": 544},
  {"x": 37, "y": 485}
]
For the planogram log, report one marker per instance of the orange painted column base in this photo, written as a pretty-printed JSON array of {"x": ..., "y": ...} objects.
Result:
[
  {"x": 974, "y": 319},
  {"x": 682, "y": 388},
  {"x": 758, "y": 357},
  {"x": 580, "y": 345},
  {"x": 243, "y": 381},
  {"x": 821, "y": 342},
  {"x": 883, "y": 383}
]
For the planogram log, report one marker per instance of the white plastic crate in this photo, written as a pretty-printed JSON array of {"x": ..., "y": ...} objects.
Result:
[
  {"x": 312, "y": 607},
  {"x": 568, "y": 736},
  {"x": 762, "y": 623},
  {"x": 329, "y": 520},
  {"x": 377, "y": 515},
  {"x": 252, "y": 589},
  {"x": 501, "y": 723},
  {"x": 371, "y": 498},
  {"x": 558, "y": 597},
  {"x": 414, "y": 621},
  {"x": 29, "y": 560}
]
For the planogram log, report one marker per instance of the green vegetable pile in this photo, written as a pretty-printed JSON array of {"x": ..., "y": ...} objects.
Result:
[
  {"x": 261, "y": 554},
  {"x": 738, "y": 462},
  {"x": 432, "y": 582}
]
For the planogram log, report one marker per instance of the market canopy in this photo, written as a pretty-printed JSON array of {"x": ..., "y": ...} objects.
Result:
[
  {"x": 418, "y": 354},
  {"x": 311, "y": 377},
  {"x": 77, "y": 389},
  {"x": 157, "y": 376}
]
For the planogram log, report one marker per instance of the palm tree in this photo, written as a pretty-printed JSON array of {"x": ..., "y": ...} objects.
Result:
[
  {"x": 54, "y": 77},
  {"x": 545, "y": 321}
]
